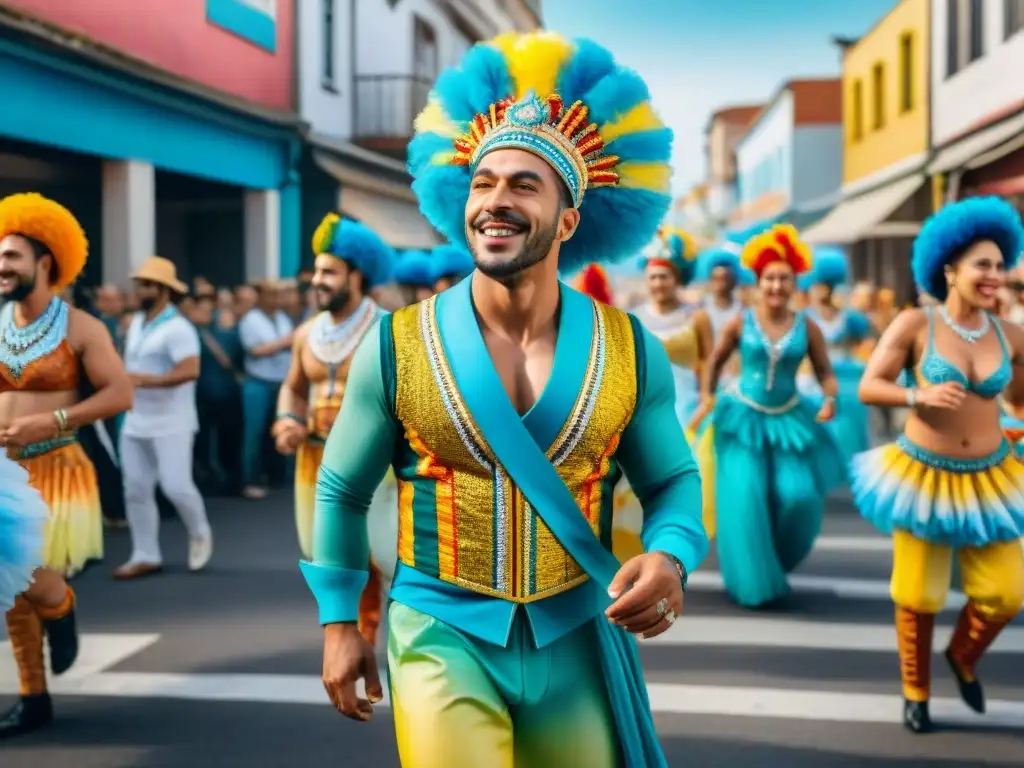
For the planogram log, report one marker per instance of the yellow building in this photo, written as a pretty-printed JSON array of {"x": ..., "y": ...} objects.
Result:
[{"x": 886, "y": 144}]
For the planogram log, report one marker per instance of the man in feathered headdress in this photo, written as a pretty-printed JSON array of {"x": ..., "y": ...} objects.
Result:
[
  {"x": 508, "y": 406},
  {"x": 45, "y": 347},
  {"x": 351, "y": 260}
]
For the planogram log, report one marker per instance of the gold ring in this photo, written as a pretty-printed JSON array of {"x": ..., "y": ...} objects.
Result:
[{"x": 671, "y": 617}]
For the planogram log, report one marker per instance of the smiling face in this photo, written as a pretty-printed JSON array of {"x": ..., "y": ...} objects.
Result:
[
  {"x": 24, "y": 264},
  {"x": 979, "y": 274},
  {"x": 516, "y": 213},
  {"x": 777, "y": 283},
  {"x": 333, "y": 283}
]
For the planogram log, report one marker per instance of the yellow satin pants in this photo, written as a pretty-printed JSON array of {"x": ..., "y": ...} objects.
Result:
[{"x": 993, "y": 576}]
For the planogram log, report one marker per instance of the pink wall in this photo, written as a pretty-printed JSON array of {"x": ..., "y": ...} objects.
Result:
[{"x": 175, "y": 36}]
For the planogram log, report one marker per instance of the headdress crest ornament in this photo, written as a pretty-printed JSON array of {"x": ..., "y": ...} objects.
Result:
[
  {"x": 570, "y": 104},
  {"x": 32, "y": 215},
  {"x": 779, "y": 243},
  {"x": 356, "y": 244},
  {"x": 955, "y": 228}
]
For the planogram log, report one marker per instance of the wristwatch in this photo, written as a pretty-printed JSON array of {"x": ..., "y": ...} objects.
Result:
[{"x": 678, "y": 565}]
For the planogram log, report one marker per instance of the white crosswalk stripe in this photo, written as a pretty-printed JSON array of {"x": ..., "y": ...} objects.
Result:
[{"x": 756, "y": 634}]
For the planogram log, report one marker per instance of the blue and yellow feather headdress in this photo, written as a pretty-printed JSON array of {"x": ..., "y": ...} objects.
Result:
[
  {"x": 674, "y": 248},
  {"x": 356, "y": 244},
  {"x": 570, "y": 104}
]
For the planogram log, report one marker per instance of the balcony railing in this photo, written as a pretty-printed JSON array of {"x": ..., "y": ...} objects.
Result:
[{"x": 387, "y": 105}]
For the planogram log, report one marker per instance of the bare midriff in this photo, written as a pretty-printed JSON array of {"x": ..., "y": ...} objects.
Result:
[
  {"x": 972, "y": 431},
  {"x": 17, "y": 403}
]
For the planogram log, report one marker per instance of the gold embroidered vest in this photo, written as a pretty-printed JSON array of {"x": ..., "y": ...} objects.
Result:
[{"x": 461, "y": 518}]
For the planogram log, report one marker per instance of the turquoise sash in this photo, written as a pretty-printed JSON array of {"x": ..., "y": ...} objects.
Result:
[{"x": 520, "y": 452}]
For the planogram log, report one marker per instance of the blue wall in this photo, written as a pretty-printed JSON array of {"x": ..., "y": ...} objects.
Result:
[{"x": 74, "y": 106}]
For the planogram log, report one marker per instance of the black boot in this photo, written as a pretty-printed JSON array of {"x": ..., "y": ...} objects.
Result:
[
  {"x": 62, "y": 634},
  {"x": 916, "y": 717},
  {"x": 970, "y": 690},
  {"x": 30, "y": 714}
]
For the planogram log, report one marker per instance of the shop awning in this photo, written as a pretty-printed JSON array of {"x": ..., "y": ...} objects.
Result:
[
  {"x": 986, "y": 142},
  {"x": 387, "y": 207},
  {"x": 864, "y": 217}
]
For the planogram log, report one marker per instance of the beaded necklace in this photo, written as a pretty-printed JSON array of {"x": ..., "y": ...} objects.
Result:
[{"x": 20, "y": 347}]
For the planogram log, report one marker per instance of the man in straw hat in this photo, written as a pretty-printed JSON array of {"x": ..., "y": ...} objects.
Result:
[
  {"x": 45, "y": 347},
  {"x": 161, "y": 354},
  {"x": 508, "y": 406}
]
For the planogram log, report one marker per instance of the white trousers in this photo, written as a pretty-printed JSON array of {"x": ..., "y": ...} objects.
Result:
[{"x": 167, "y": 460}]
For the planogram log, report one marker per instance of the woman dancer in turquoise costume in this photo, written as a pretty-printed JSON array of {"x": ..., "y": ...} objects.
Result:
[
  {"x": 775, "y": 459},
  {"x": 22, "y": 518},
  {"x": 844, "y": 329}
]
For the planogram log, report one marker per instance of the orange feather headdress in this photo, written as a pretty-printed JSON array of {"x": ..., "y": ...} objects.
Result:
[
  {"x": 593, "y": 281},
  {"x": 780, "y": 243}
]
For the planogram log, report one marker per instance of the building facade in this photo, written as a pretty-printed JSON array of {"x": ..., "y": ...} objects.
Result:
[
  {"x": 886, "y": 139},
  {"x": 725, "y": 127},
  {"x": 789, "y": 162},
  {"x": 977, "y": 109},
  {"x": 365, "y": 70},
  {"x": 166, "y": 132}
]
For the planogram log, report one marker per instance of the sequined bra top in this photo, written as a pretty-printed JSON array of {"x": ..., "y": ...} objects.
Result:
[
  {"x": 768, "y": 369},
  {"x": 935, "y": 369},
  {"x": 38, "y": 356}
]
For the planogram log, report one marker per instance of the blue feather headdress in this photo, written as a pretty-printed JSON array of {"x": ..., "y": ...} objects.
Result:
[
  {"x": 570, "y": 104},
  {"x": 726, "y": 255},
  {"x": 451, "y": 261},
  {"x": 356, "y": 244},
  {"x": 674, "y": 248},
  {"x": 830, "y": 268},
  {"x": 415, "y": 268},
  {"x": 950, "y": 231}
]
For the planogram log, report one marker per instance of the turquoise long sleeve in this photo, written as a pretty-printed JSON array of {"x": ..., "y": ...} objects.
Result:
[
  {"x": 356, "y": 458},
  {"x": 660, "y": 466}
]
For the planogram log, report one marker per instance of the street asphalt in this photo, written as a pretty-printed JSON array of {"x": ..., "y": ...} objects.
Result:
[{"x": 221, "y": 668}]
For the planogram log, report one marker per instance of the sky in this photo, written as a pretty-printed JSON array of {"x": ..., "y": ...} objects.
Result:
[{"x": 700, "y": 55}]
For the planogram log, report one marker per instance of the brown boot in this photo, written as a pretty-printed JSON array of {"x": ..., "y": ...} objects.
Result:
[
  {"x": 914, "y": 633},
  {"x": 32, "y": 710},
  {"x": 973, "y": 635}
]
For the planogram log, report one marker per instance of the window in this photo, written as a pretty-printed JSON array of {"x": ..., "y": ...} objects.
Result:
[
  {"x": 952, "y": 37},
  {"x": 965, "y": 33},
  {"x": 878, "y": 96},
  {"x": 906, "y": 72},
  {"x": 1013, "y": 17},
  {"x": 425, "y": 52},
  {"x": 327, "y": 44},
  {"x": 976, "y": 47},
  {"x": 857, "y": 112}
]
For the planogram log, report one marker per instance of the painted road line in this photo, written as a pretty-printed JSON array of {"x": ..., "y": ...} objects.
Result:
[
  {"x": 853, "y": 544},
  {"x": 846, "y": 589},
  {"x": 724, "y": 701},
  {"x": 742, "y": 632},
  {"x": 97, "y": 652}
]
